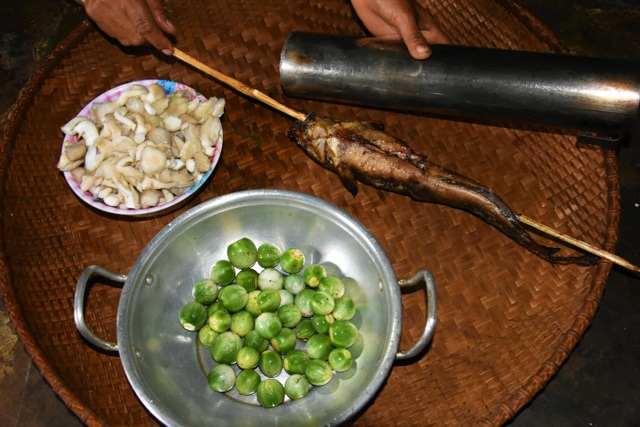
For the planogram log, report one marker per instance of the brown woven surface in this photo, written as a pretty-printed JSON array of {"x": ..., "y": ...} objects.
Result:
[{"x": 507, "y": 320}]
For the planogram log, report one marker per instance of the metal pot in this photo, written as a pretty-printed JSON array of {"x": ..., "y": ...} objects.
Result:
[{"x": 165, "y": 365}]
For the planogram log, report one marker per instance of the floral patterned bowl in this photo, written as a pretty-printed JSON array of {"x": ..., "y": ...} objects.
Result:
[{"x": 99, "y": 203}]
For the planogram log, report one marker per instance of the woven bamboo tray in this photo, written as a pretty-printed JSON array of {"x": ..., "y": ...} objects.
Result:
[{"x": 506, "y": 321}]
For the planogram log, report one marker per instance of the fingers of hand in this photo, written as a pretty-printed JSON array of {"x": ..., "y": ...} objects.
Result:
[
  {"x": 407, "y": 25},
  {"x": 144, "y": 24},
  {"x": 159, "y": 11}
]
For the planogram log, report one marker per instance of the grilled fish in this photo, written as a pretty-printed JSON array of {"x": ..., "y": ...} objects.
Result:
[{"x": 359, "y": 151}]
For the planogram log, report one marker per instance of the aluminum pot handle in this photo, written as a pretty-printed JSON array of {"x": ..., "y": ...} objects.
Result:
[
  {"x": 78, "y": 305},
  {"x": 430, "y": 326}
]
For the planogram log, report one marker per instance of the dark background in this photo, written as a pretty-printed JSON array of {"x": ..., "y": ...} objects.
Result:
[{"x": 600, "y": 383}]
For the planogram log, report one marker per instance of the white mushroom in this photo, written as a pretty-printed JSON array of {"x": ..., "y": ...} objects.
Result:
[
  {"x": 190, "y": 130},
  {"x": 190, "y": 165},
  {"x": 190, "y": 148},
  {"x": 150, "y": 109},
  {"x": 149, "y": 183},
  {"x": 125, "y": 167},
  {"x": 141, "y": 128},
  {"x": 72, "y": 156},
  {"x": 172, "y": 123},
  {"x": 112, "y": 200},
  {"x": 108, "y": 182},
  {"x": 175, "y": 179},
  {"x": 165, "y": 176},
  {"x": 188, "y": 119},
  {"x": 218, "y": 107},
  {"x": 209, "y": 134},
  {"x": 153, "y": 120},
  {"x": 92, "y": 159},
  {"x": 176, "y": 164},
  {"x": 122, "y": 146},
  {"x": 85, "y": 129},
  {"x": 119, "y": 115},
  {"x": 141, "y": 147},
  {"x": 134, "y": 90},
  {"x": 155, "y": 92},
  {"x": 159, "y": 136},
  {"x": 204, "y": 109},
  {"x": 165, "y": 148},
  {"x": 202, "y": 162},
  {"x": 110, "y": 127},
  {"x": 67, "y": 128},
  {"x": 104, "y": 192},
  {"x": 212, "y": 107},
  {"x": 75, "y": 151},
  {"x": 150, "y": 198},
  {"x": 193, "y": 104},
  {"x": 178, "y": 142},
  {"x": 160, "y": 105},
  {"x": 181, "y": 179},
  {"x": 100, "y": 110},
  {"x": 168, "y": 195},
  {"x": 78, "y": 173},
  {"x": 131, "y": 196},
  {"x": 135, "y": 105},
  {"x": 89, "y": 181},
  {"x": 177, "y": 105},
  {"x": 152, "y": 160}
]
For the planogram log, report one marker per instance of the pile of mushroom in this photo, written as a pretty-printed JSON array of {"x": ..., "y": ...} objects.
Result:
[{"x": 144, "y": 148}]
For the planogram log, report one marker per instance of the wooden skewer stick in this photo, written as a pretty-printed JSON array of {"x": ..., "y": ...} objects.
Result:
[
  {"x": 578, "y": 243},
  {"x": 256, "y": 94},
  {"x": 238, "y": 85}
]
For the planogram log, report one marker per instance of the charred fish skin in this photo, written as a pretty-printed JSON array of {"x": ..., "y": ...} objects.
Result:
[{"x": 363, "y": 152}]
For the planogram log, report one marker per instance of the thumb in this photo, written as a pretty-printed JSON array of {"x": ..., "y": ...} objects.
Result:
[{"x": 416, "y": 43}]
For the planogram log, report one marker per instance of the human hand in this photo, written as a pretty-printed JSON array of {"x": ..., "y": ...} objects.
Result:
[
  {"x": 133, "y": 22},
  {"x": 403, "y": 19}
]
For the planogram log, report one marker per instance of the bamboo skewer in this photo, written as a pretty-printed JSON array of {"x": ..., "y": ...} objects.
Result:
[
  {"x": 259, "y": 96},
  {"x": 238, "y": 85},
  {"x": 579, "y": 243}
]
